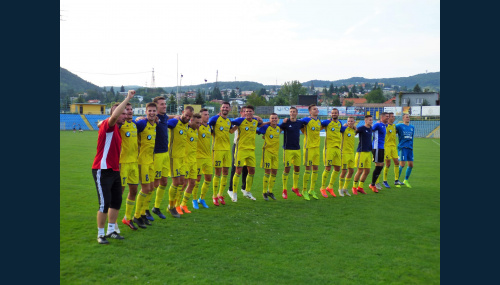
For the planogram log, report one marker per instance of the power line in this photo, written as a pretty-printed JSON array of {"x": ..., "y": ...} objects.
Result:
[{"x": 112, "y": 73}]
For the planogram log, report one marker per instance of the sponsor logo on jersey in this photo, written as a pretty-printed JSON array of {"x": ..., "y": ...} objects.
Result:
[
  {"x": 127, "y": 134},
  {"x": 313, "y": 128},
  {"x": 191, "y": 139},
  {"x": 333, "y": 129},
  {"x": 221, "y": 128},
  {"x": 246, "y": 129},
  {"x": 348, "y": 135},
  {"x": 203, "y": 135},
  {"x": 181, "y": 132},
  {"x": 271, "y": 136}
]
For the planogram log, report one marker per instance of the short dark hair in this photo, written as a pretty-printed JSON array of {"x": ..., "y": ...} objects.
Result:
[
  {"x": 385, "y": 113},
  {"x": 158, "y": 98},
  {"x": 250, "y": 107},
  {"x": 226, "y": 103},
  {"x": 273, "y": 114},
  {"x": 293, "y": 108},
  {"x": 189, "y": 108},
  {"x": 151, "y": 104},
  {"x": 203, "y": 110},
  {"x": 368, "y": 116},
  {"x": 310, "y": 106}
]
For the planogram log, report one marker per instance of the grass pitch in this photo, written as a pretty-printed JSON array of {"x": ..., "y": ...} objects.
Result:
[{"x": 390, "y": 237}]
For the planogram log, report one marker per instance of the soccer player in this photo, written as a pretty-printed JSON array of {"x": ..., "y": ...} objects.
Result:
[
  {"x": 270, "y": 151},
  {"x": 191, "y": 165},
  {"x": 379, "y": 132},
  {"x": 363, "y": 159},
  {"x": 221, "y": 151},
  {"x": 146, "y": 130},
  {"x": 347, "y": 146},
  {"x": 291, "y": 151},
  {"x": 391, "y": 152},
  {"x": 312, "y": 127},
  {"x": 177, "y": 151},
  {"x": 244, "y": 172},
  {"x": 161, "y": 156},
  {"x": 405, "y": 133},
  {"x": 106, "y": 171},
  {"x": 129, "y": 168},
  {"x": 245, "y": 149},
  {"x": 203, "y": 160},
  {"x": 331, "y": 151}
]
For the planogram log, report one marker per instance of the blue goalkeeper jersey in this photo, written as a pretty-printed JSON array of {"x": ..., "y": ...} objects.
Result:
[
  {"x": 405, "y": 135},
  {"x": 378, "y": 135}
]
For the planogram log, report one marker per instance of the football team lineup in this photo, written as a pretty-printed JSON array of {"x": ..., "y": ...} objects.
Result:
[{"x": 189, "y": 147}]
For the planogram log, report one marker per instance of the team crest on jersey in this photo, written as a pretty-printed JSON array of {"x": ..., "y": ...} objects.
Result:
[
  {"x": 191, "y": 139},
  {"x": 181, "y": 132},
  {"x": 221, "y": 128},
  {"x": 149, "y": 137},
  {"x": 127, "y": 134},
  {"x": 203, "y": 135},
  {"x": 246, "y": 129},
  {"x": 228, "y": 123},
  {"x": 133, "y": 125},
  {"x": 254, "y": 123}
]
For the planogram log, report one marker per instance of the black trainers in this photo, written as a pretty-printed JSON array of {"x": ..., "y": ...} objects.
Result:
[
  {"x": 271, "y": 195},
  {"x": 174, "y": 212},
  {"x": 149, "y": 216},
  {"x": 145, "y": 220},
  {"x": 114, "y": 235},
  {"x": 158, "y": 212},
  {"x": 102, "y": 240},
  {"x": 139, "y": 223},
  {"x": 265, "y": 196}
]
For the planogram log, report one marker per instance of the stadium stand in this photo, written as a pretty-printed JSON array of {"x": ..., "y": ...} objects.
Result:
[{"x": 66, "y": 122}]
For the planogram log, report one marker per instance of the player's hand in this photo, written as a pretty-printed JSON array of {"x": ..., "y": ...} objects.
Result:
[
  {"x": 157, "y": 120},
  {"x": 139, "y": 118},
  {"x": 131, "y": 94},
  {"x": 285, "y": 120}
]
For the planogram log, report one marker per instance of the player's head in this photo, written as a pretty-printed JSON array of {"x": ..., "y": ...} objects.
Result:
[
  {"x": 368, "y": 120},
  {"x": 334, "y": 114},
  {"x": 187, "y": 113},
  {"x": 195, "y": 121},
  {"x": 351, "y": 121},
  {"x": 130, "y": 111},
  {"x": 161, "y": 104},
  {"x": 224, "y": 108},
  {"x": 406, "y": 118},
  {"x": 151, "y": 111},
  {"x": 274, "y": 119},
  {"x": 249, "y": 110},
  {"x": 204, "y": 115},
  {"x": 384, "y": 117},
  {"x": 121, "y": 118},
  {"x": 392, "y": 118},
  {"x": 313, "y": 110},
  {"x": 293, "y": 112},
  {"x": 243, "y": 111}
]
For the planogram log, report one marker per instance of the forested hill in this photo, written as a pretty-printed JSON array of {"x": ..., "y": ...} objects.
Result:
[
  {"x": 69, "y": 81},
  {"x": 431, "y": 79}
]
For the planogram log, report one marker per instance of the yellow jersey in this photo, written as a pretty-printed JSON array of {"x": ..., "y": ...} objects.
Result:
[
  {"x": 246, "y": 133},
  {"x": 348, "y": 138},
  {"x": 130, "y": 151},
  {"x": 178, "y": 138},
  {"x": 192, "y": 144},
  {"x": 390, "y": 135},
  {"x": 220, "y": 132},
  {"x": 147, "y": 138},
  {"x": 204, "y": 150},
  {"x": 271, "y": 138},
  {"x": 333, "y": 133},
  {"x": 311, "y": 130}
]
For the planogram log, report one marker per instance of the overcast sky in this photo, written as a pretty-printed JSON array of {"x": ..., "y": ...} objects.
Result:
[{"x": 114, "y": 43}]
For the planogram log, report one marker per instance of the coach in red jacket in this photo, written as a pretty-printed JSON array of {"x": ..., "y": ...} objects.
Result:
[{"x": 106, "y": 170}]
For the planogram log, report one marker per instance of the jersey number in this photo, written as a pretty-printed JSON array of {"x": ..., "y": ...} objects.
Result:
[
  {"x": 217, "y": 163},
  {"x": 329, "y": 162},
  {"x": 268, "y": 165},
  {"x": 147, "y": 177},
  {"x": 124, "y": 180}
]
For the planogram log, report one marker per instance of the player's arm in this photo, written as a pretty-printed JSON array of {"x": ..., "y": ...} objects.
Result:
[
  {"x": 172, "y": 123},
  {"x": 233, "y": 129},
  {"x": 259, "y": 120},
  {"x": 235, "y": 124},
  {"x": 117, "y": 112},
  {"x": 212, "y": 121},
  {"x": 141, "y": 125}
]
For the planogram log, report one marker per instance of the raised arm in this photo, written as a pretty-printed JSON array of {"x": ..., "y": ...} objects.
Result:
[{"x": 117, "y": 112}]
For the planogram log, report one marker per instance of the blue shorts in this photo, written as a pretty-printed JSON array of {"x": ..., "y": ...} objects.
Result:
[{"x": 405, "y": 154}]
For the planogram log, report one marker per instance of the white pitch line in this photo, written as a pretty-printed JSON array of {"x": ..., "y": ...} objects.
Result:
[{"x": 436, "y": 142}]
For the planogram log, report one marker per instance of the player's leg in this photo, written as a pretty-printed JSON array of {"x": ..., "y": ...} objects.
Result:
[
  {"x": 265, "y": 182},
  {"x": 409, "y": 157},
  {"x": 233, "y": 170},
  {"x": 307, "y": 173},
  {"x": 114, "y": 207}
]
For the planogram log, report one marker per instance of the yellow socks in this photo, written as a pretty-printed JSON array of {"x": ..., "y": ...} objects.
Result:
[
  {"x": 307, "y": 178},
  {"x": 341, "y": 183},
  {"x": 160, "y": 192},
  {"x": 324, "y": 178},
  {"x": 185, "y": 199},
  {"x": 216, "y": 185},
  {"x": 265, "y": 183},
  {"x": 284, "y": 177},
  {"x": 272, "y": 179},
  {"x": 204, "y": 189},
  {"x": 141, "y": 197},
  {"x": 195, "y": 190},
  {"x": 332, "y": 179},
  {"x": 129, "y": 207},
  {"x": 249, "y": 183},
  {"x": 236, "y": 182},
  {"x": 347, "y": 182},
  {"x": 314, "y": 177},
  {"x": 296, "y": 176}
]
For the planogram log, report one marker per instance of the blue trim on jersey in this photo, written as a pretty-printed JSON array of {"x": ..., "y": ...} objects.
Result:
[
  {"x": 172, "y": 123},
  {"x": 262, "y": 130},
  {"x": 141, "y": 124},
  {"x": 237, "y": 121},
  {"x": 212, "y": 121}
]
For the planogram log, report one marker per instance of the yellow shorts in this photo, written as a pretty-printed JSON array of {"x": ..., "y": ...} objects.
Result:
[
  {"x": 347, "y": 160},
  {"x": 291, "y": 157},
  {"x": 129, "y": 172},
  {"x": 391, "y": 152},
  {"x": 204, "y": 166},
  {"x": 331, "y": 156},
  {"x": 244, "y": 157},
  {"x": 363, "y": 159},
  {"x": 221, "y": 158},
  {"x": 147, "y": 173},
  {"x": 162, "y": 165},
  {"x": 191, "y": 168},
  {"x": 269, "y": 160},
  {"x": 177, "y": 167},
  {"x": 311, "y": 156}
]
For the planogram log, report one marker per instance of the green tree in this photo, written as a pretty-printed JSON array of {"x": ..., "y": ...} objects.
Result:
[
  {"x": 331, "y": 90},
  {"x": 292, "y": 89},
  {"x": 375, "y": 96},
  {"x": 232, "y": 94},
  {"x": 80, "y": 99},
  {"x": 199, "y": 98},
  {"x": 171, "y": 105},
  {"x": 336, "y": 100},
  {"x": 425, "y": 103},
  {"x": 122, "y": 89},
  {"x": 354, "y": 89},
  {"x": 417, "y": 88},
  {"x": 112, "y": 90},
  {"x": 255, "y": 100},
  {"x": 349, "y": 103},
  {"x": 262, "y": 91}
]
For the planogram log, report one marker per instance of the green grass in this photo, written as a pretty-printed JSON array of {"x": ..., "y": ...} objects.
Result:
[{"x": 390, "y": 237}]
